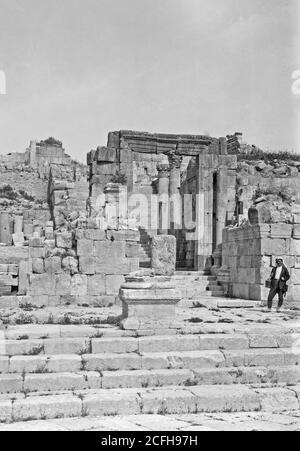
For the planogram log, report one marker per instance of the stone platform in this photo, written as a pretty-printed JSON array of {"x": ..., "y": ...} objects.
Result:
[{"x": 80, "y": 364}]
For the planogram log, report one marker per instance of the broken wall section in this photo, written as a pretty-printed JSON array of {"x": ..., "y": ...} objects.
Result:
[
  {"x": 68, "y": 193},
  {"x": 86, "y": 267}
]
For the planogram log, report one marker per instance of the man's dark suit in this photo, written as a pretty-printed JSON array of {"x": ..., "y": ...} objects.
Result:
[{"x": 278, "y": 286}]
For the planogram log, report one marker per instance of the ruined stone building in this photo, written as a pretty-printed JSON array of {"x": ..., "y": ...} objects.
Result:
[{"x": 70, "y": 233}]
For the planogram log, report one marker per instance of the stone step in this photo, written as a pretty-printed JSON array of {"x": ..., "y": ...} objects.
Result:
[
  {"x": 193, "y": 279},
  {"x": 214, "y": 287},
  {"x": 201, "y": 292},
  {"x": 169, "y": 400},
  {"x": 56, "y": 382},
  {"x": 149, "y": 361},
  {"x": 43, "y": 331},
  {"x": 91, "y": 341},
  {"x": 144, "y": 258},
  {"x": 60, "y": 315},
  {"x": 224, "y": 303},
  {"x": 184, "y": 272}
]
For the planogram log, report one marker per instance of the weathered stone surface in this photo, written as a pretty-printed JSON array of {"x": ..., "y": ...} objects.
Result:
[
  {"x": 163, "y": 255},
  {"x": 42, "y": 284},
  {"x": 96, "y": 285},
  {"x": 225, "y": 399},
  {"x": 70, "y": 264},
  {"x": 38, "y": 266},
  {"x": 64, "y": 240},
  {"x": 168, "y": 401},
  {"x": 54, "y": 382},
  {"x": 87, "y": 264},
  {"x": 5, "y": 411},
  {"x": 281, "y": 230},
  {"x": 11, "y": 383},
  {"x": 113, "y": 283},
  {"x": 64, "y": 364},
  {"x": 79, "y": 285},
  {"x": 215, "y": 342},
  {"x": 109, "y": 403},
  {"x": 165, "y": 344},
  {"x": 53, "y": 265},
  {"x": 112, "y": 362},
  {"x": 271, "y": 212},
  {"x": 278, "y": 400},
  {"x": 85, "y": 247},
  {"x": 119, "y": 346},
  {"x": 60, "y": 346},
  {"x": 62, "y": 285},
  {"x": 47, "y": 407}
]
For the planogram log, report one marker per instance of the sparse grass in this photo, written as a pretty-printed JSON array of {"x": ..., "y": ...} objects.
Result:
[
  {"x": 225, "y": 321},
  {"x": 8, "y": 192},
  {"x": 26, "y": 196},
  {"x": 67, "y": 319},
  {"x": 111, "y": 414},
  {"x": 119, "y": 178},
  {"x": 27, "y": 307},
  {"x": 190, "y": 383},
  {"x": 37, "y": 350},
  {"x": 196, "y": 320},
  {"x": 284, "y": 193},
  {"x": 163, "y": 410},
  {"x": 42, "y": 369},
  {"x": 23, "y": 337},
  {"x": 269, "y": 157},
  {"x": 24, "y": 319},
  {"x": 50, "y": 319},
  {"x": 85, "y": 349}
]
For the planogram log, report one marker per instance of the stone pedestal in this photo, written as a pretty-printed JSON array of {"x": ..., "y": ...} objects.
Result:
[{"x": 149, "y": 303}]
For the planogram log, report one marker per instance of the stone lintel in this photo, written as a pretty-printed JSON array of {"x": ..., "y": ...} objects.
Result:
[{"x": 184, "y": 145}]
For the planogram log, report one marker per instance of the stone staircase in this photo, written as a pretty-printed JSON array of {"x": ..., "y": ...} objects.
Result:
[
  {"x": 195, "y": 284},
  {"x": 56, "y": 371},
  {"x": 145, "y": 247}
]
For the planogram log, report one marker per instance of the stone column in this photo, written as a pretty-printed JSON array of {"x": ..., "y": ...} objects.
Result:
[
  {"x": 163, "y": 201},
  {"x": 222, "y": 200},
  {"x": 175, "y": 162},
  {"x": 204, "y": 232}
]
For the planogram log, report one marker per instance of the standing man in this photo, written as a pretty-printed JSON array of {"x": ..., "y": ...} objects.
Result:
[{"x": 279, "y": 278}]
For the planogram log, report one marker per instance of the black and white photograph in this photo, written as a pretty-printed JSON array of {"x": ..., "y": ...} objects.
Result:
[{"x": 149, "y": 218}]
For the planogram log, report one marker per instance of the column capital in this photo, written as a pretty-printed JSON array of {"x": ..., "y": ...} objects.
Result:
[
  {"x": 175, "y": 160},
  {"x": 163, "y": 171}
]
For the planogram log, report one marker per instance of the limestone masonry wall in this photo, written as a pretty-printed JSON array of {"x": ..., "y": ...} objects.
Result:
[
  {"x": 250, "y": 253},
  {"x": 86, "y": 267}
]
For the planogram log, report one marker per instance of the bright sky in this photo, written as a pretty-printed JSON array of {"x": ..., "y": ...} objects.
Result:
[{"x": 76, "y": 69}]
